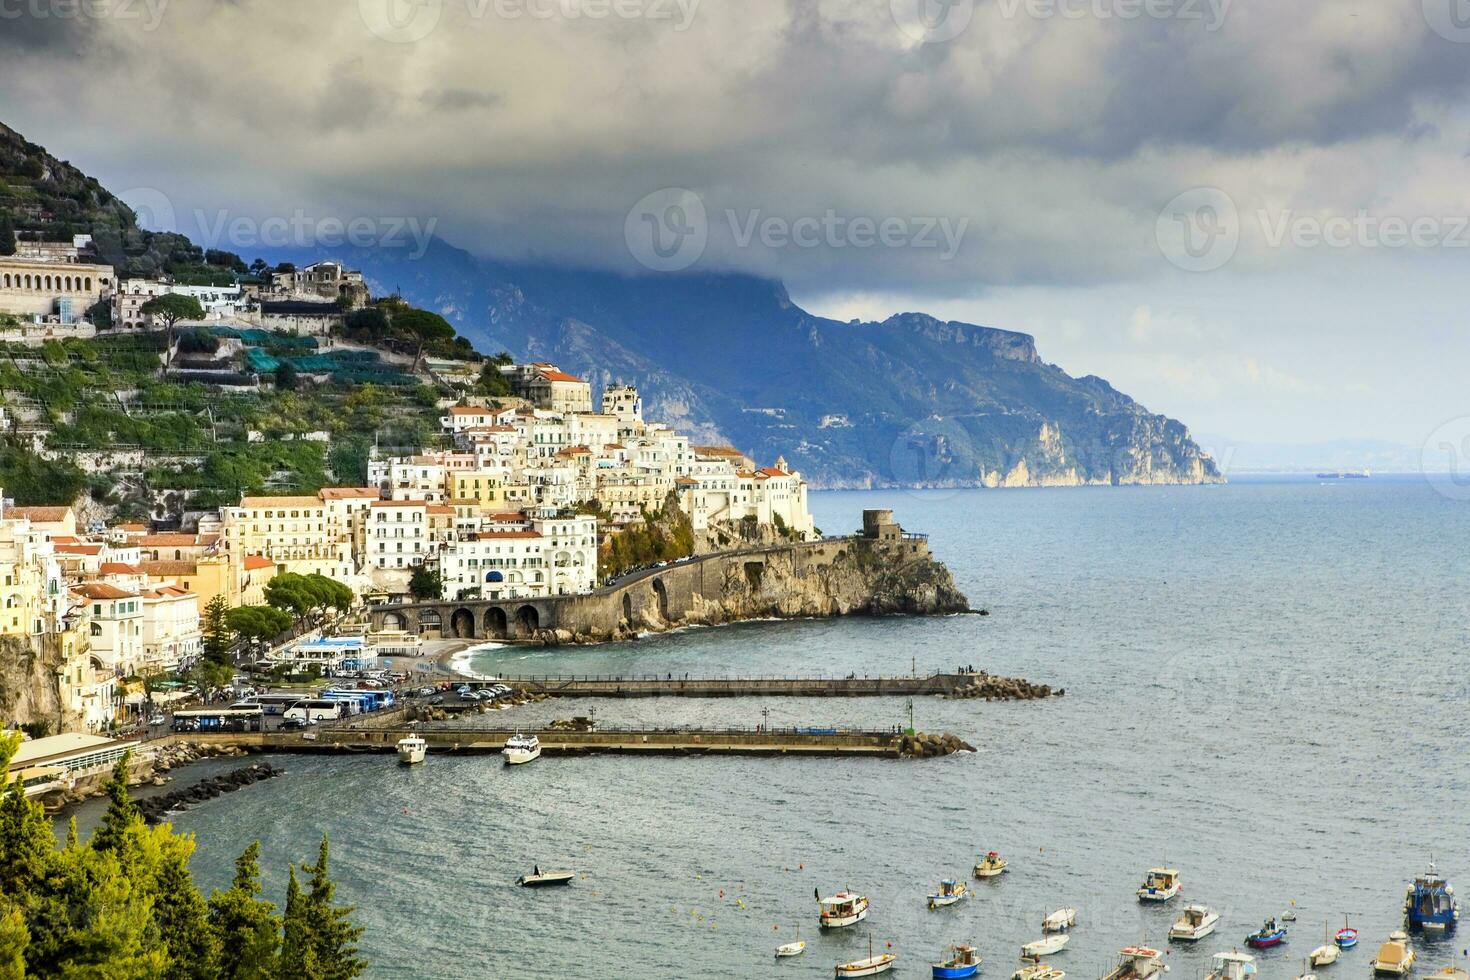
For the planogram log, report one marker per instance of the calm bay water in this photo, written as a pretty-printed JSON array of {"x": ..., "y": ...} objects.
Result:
[{"x": 1264, "y": 688}]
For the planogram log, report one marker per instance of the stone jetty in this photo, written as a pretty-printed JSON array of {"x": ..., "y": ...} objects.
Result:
[
  {"x": 992, "y": 688},
  {"x": 156, "y": 808}
]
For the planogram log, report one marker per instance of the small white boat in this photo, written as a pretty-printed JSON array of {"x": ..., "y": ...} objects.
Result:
[
  {"x": 1062, "y": 919},
  {"x": 1052, "y": 943},
  {"x": 1137, "y": 963},
  {"x": 411, "y": 750},
  {"x": 546, "y": 879},
  {"x": 1038, "y": 971},
  {"x": 1160, "y": 885},
  {"x": 1197, "y": 922},
  {"x": 1233, "y": 966},
  {"x": 1395, "y": 957},
  {"x": 1326, "y": 954},
  {"x": 793, "y": 948},
  {"x": 520, "y": 749},
  {"x": 991, "y": 866},
  {"x": 842, "y": 909},
  {"x": 950, "y": 891},
  {"x": 869, "y": 966}
]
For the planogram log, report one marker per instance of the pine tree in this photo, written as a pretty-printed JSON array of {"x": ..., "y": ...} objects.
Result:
[
  {"x": 182, "y": 916},
  {"x": 298, "y": 958},
  {"x": 14, "y": 937},
  {"x": 118, "y": 833},
  {"x": 26, "y": 841},
  {"x": 217, "y": 635},
  {"x": 334, "y": 936},
  {"x": 249, "y": 935}
]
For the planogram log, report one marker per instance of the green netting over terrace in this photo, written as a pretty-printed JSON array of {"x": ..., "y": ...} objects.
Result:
[
  {"x": 252, "y": 337},
  {"x": 342, "y": 365}
]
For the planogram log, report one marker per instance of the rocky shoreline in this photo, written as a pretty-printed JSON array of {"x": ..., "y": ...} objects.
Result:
[
  {"x": 989, "y": 687},
  {"x": 156, "y": 808},
  {"x": 922, "y": 745}
]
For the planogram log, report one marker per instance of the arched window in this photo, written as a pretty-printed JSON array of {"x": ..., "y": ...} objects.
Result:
[
  {"x": 96, "y": 629},
  {"x": 87, "y": 283}
]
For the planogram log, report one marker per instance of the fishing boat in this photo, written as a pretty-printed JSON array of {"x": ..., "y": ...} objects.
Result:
[
  {"x": 1395, "y": 957},
  {"x": 1233, "y": 966},
  {"x": 411, "y": 750},
  {"x": 1270, "y": 934},
  {"x": 545, "y": 879},
  {"x": 1160, "y": 885},
  {"x": 1038, "y": 971},
  {"x": 520, "y": 749},
  {"x": 1062, "y": 919},
  {"x": 1197, "y": 922},
  {"x": 1046, "y": 946},
  {"x": 992, "y": 866},
  {"x": 869, "y": 966},
  {"x": 950, "y": 891},
  {"x": 793, "y": 948},
  {"x": 963, "y": 961},
  {"x": 1326, "y": 954},
  {"x": 842, "y": 909},
  {"x": 1430, "y": 902},
  {"x": 1137, "y": 963},
  {"x": 1347, "y": 936}
]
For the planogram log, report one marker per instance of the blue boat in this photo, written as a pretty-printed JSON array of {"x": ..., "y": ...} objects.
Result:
[
  {"x": 963, "y": 961},
  {"x": 1269, "y": 935},
  {"x": 1430, "y": 902}
]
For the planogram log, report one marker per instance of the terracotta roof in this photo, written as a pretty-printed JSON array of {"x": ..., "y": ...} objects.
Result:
[
  {"x": 439, "y": 509},
  {"x": 468, "y": 410},
  {"x": 399, "y": 503},
  {"x": 166, "y": 592},
  {"x": 118, "y": 568},
  {"x": 686, "y": 481},
  {"x": 79, "y": 549},
  {"x": 161, "y": 568},
  {"x": 170, "y": 541},
  {"x": 39, "y": 515},
  {"x": 561, "y": 376},
  {"x": 262, "y": 502},
  {"x": 252, "y": 562},
  {"x": 131, "y": 528},
  {"x": 350, "y": 493},
  {"x": 716, "y": 451},
  {"x": 506, "y": 517},
  {"x": 100, "y": 590},
  {"x": 511, "y": 535},
  {"x": 772, "y": 471}
]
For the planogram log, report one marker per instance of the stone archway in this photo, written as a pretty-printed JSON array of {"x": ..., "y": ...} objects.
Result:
[
  {"x": 430, "y": 621},
  {"x": 661, "y": 594},
  {"x": 528, "y": 620},
  {"x": 497, "y": 625},
  {"x": 392, "y": 621},
  {"x": 462, "y": 624}
]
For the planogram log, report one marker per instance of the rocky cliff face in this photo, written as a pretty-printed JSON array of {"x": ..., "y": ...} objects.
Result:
[{"x": 28, "y": 683}]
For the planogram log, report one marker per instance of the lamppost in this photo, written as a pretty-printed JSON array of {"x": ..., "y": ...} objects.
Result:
[
  {"x": 911, "y": 715},
  {"x": 765, "y": 719}
]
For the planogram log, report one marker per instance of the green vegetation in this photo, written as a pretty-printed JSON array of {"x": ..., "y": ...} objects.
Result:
[
  {"x": 36, "y": 482},
  {"x": 664, "y": 535},
  {"x": 426, "y": 583},
  {"x": 258, "y": 622},
  {"x": 124, "y": 905},
  {"x": 393, "y": 324},
  {"x": 302, "y": 594}
]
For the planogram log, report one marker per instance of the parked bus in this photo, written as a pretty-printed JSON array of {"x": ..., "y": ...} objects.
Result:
[
  {"x": 275, "y": 703},
  {"x": 314, "y": 710},
  {"x": 231, "y": 719}
]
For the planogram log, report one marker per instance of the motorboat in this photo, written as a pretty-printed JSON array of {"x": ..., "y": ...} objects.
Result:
[
  {"x": 991, "y": 866},
  {"x": 963, "y": 961},
  {"x": 1430, "y": 902},
  {"x": 1061, "y": 920},
  {"x": 950, "y": 891},
  {"x": 842, "y": 909},
  {"x": 546, "y": 879},
  {"x": 411, "y": 750},
  {"x": 1038, "y": 971},
  {"x": 1346, "y": 937},
  {"x": 1137, "y": 963},
  {"x": 1233, "y": 966},
  {"x": 1051, "y": 943},
  {"x": 1326, "y": 954},
  {"x": 1270, "y": 934},
  {"x": 1395, "y": 957},
  {"x": 520, "y": 749},
  {"x": 794, "y": 948},
  {"x": 1160, "y": 885},
  {"x": 869, "y": 966},
  {"x": 1197, "y": 922}
]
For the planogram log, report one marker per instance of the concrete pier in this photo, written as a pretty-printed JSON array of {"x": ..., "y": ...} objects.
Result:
[{"x": 602, "y": 686}]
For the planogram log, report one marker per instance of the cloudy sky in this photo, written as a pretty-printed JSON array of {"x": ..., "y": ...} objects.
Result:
[{"x": 1253, "y": 215}]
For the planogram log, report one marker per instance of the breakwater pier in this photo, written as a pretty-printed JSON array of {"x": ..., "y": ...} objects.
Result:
[{"x": 955, "y": 685}]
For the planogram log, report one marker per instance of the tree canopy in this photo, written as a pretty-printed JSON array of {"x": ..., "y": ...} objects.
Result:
[
  {"x": 173, "y": 307},
  {"x": 301, "y": 594}
]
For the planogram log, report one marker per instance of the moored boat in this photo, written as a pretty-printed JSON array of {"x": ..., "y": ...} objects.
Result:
[
  {"x": 545, "y": 879},
  {"x": 1197, "y": 922},
  {"x": 1160, "y": 885},
  {"x": 1346, "y": 937},
  {"x": 842, "y": 909},
  {"x": 1395, "y": 957},
  {"x": 1430, "y": 902},
  {"x": 1046, "y": 946},
  {"x": 1450, "y": 973},
  {"x": 963, "y": 961},
  {"x": 1306, "y": 973},
  {"x": 1137, "y": 963},
  {"x": 520, "y": 749},
  {"x": 794, "y": 948},
  {"x": 868, "y": 966},
  {"x": 991, "y": 866},
  {"x": 1038, "y": 971},
  {"x": 1270, "y": 934},
  {"x": 411, "y": 750},
  {"x": 1059, "y": 920},
  {"x": 1233, "y": 966},
  {"x": 1326, "y": 954},
  {"x": 950, "y": 891}
]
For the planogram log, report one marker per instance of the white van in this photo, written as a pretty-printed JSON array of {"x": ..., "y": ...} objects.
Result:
[{"x": 314, "y": 711}]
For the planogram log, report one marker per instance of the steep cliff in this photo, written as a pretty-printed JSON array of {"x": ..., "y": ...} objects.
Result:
[{"x": 28, "y": 682}]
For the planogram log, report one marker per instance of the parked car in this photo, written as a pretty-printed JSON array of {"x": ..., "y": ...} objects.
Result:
[
  {"x": 293, "y": 723},
  {"x": 157, "y": 719},
  {"x": 436, "y": 699}
]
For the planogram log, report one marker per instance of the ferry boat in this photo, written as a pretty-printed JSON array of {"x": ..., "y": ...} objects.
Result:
[
  {"x": 1233, "y": 966},
  {"x": 1062, "y": 919},
  {"x": 963, "y": 961},
  {"x": 1038, "y": 971},
  {"x": 1197, "y": 922},
  {"x": 869, "y": 966},
  {"x": 992, "y": 866},
  {"x": 950, "y": 891},
  {"x": 520, "y": 749},
  {"x": 1161, "y": 885},
  {"x": 411, "y": 750},
  {"x": 1053, "y": 943},
  {"x": 1270, "y": 934},
  {"x": 1137, "y": 963},
  {"x": 1430, "y": 902},
  {"x": 842, "y": 909},
  {"x": 1395, "y": 957}
]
